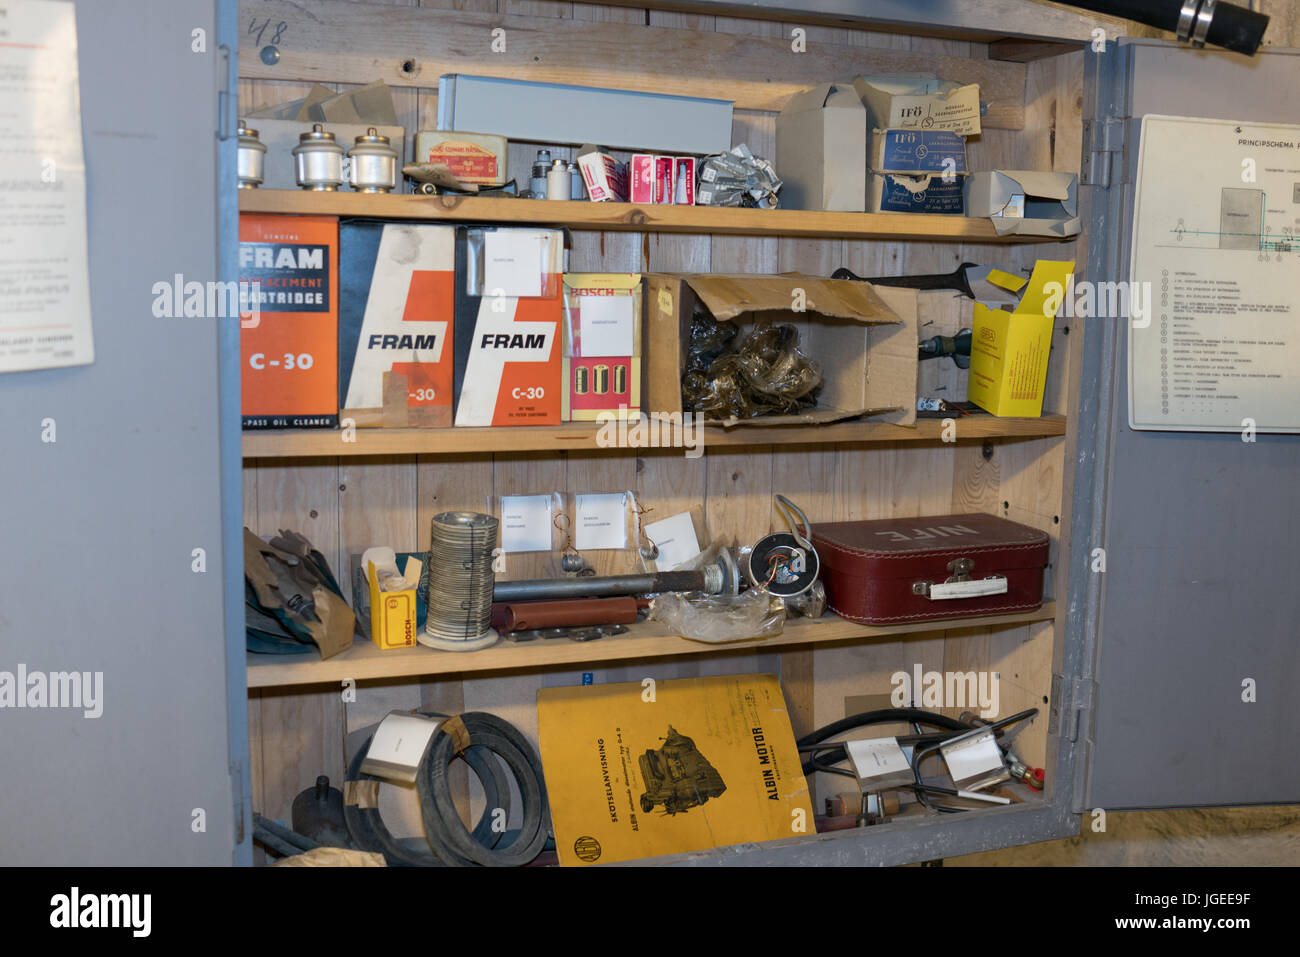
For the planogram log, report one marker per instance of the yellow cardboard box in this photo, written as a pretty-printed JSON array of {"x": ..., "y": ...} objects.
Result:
[
  {"x": 634, "y": 771},
  {"x": 393, "y": 613},
  {"x": 1009, "y": 350}
]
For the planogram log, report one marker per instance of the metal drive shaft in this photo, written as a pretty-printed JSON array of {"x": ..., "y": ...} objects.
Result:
[{"x": 708, "y": 580}]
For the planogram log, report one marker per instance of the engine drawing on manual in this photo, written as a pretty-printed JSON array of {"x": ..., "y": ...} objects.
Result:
[{"x": 678, "y": 776}]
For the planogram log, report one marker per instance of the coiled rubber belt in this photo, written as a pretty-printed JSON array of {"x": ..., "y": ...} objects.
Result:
[
  {"x": 366, "y": 825},
  {"x": 443, "y": 827}
]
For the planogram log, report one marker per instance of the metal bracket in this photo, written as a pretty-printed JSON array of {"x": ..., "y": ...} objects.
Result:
[
  {"x": 1104, "y": 152},
  {"x": 1071, "y": 706}
]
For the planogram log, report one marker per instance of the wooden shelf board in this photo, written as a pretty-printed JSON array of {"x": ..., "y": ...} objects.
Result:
[
  {"x": 585, "y": 215},
  {"x": 644, "y": 641},
  {"x": 581, "y": 436}
]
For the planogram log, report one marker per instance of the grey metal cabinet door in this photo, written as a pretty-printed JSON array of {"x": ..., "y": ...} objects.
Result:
[
  {"x": 100, "y": 529},
  {"x": 1199, "y": 592}
]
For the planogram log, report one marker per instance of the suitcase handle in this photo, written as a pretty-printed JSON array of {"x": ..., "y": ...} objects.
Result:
[{"x": 970, "y": 588}]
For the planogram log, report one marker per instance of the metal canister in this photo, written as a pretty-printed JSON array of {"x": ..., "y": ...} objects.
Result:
[
  {"x": 600, "y": 377},
  {"x": 374, "y": 164},
  {"x": 318, "y": 160},
  {"x": 620, "y": 379},
  {"x": 537, "y": 181},
  {"x": 251, "y": 158},
  {"x": 581, "y": 381},
  {"x": 577, "y": 189},
  {"x": 557, "y": 181}
]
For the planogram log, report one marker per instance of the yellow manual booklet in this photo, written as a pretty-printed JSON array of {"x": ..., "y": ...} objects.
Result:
[{"x": 639, "y": 770}]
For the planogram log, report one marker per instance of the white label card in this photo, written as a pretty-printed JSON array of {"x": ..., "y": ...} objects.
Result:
[
  {"x": 399, "y": 742},
  {"x": 600, "y": 522},
  {"x": 675, "y": 538},
  {"x": 874, "y": 757},
  {"x": 526, "y": 523},
  {"x": 605, "y": 325},
  {"x": 512, "y": 263}
]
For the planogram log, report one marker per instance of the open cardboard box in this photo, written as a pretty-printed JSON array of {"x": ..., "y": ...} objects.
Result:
[{"x": 863, "y": 336}]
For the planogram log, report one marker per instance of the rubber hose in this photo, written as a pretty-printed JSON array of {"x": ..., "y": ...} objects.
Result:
[
  {"x": 366, "y": 825},
  {"x": 442, "y": 825},
  {"x": 285, "y": 834},
  {"x": 274, "y": 844},
  {"x": 883, "y": 716}
]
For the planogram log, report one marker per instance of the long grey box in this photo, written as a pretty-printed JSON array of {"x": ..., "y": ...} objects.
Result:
[{"x": 554, "y": 113}]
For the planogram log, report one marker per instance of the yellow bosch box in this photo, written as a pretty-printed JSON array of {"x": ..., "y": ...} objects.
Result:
[
  {"x": 649, "y": 768},
  {"x": 393, "y": 606},
  {"x": 1009, "y": 350}
]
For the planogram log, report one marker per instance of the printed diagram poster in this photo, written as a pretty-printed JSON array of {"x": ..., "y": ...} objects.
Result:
[
  {"x": 44, "y": 281},
  {"x": 1216, "y": 236},
  {"x": 640, "y": 770}
]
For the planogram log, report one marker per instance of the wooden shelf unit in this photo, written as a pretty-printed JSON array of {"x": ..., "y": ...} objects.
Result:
[
  {"x": 626, "y": 217},
  {"x": 582, "y": 436},
  {"x": 384, "y": 487},
  {"x": 365, "y": 661}
]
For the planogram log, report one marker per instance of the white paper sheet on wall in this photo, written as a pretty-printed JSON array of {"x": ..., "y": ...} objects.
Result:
[
  {"x": 526, "y": 523},
  {"x": 675, "y": 538},
  {"x": 1216, "y": 225},
  {"x": 44, "y": 280},
  {"x": 600, "y": 522},
  {"x": 605, "y": 325}
]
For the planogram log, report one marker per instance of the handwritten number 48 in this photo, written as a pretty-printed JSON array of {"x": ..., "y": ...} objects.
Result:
[{"x": 255, "y": 31}]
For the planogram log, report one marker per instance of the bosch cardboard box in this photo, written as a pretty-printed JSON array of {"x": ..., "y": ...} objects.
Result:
[
  {"x": 862, "y": 336},
  {"x": 509, "y": 354},
  {"x": 289, "y": 349},
  {"x": 1010, "y": 350},
  {"x": 602, "y": 345},
  {"x": 396, "y": 319}
]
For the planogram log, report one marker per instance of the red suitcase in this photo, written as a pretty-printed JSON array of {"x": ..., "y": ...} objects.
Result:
[{"x": 923, "y": 569}]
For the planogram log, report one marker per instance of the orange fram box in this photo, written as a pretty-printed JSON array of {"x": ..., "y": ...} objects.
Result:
[{"x": 289, "y": 344}]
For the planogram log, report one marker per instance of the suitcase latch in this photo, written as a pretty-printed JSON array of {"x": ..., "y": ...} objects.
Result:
[{"x": 960, "y": 584}]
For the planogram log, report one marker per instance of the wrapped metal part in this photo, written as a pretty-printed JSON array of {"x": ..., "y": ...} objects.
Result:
[
  {"x": 715, "y": 619},
  {"x": 766, "y": 373},
  {"x": 738, "y": 178}
]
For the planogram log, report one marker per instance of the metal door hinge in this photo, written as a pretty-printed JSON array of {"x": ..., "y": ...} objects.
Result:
[
  {"x": 1104, "y": 152},
  {"x": 227, "y": 92},
  {"x": 237, "y": 785},
  {"x": 1071, "y": 706}
]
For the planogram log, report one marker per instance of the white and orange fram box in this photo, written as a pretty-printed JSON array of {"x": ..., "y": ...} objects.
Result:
[
  {"x": 289, "y": 349},
  {"x": 509, "y": 353},
  {"x": 396, "y": 319}
]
